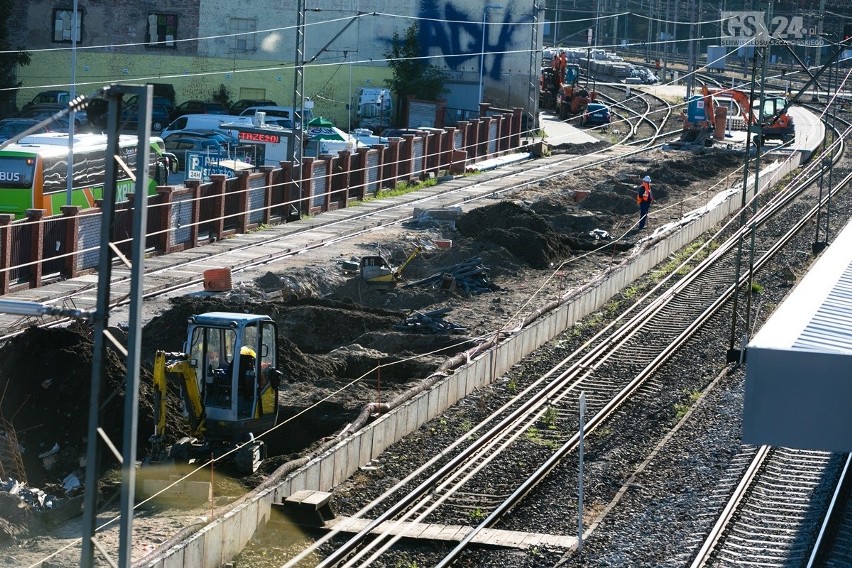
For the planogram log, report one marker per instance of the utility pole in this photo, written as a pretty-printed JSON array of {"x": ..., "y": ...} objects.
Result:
[
  {"x": 615, "y": 27},
  {"x": 820, "y": 19},
  {"x": 691, "y": 63},
  {"x": 648, "y": 41},
  {"x": 597, "y": 20},
  {"x": 102, "y": 338},
  {"x": 665, "y": 40},
  {"x": 296, "y": 136}
]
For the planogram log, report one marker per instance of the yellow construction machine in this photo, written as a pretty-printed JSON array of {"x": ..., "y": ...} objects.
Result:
[
  {"x": 229, "y": 385},
  {"x": 377, "y": 272}
]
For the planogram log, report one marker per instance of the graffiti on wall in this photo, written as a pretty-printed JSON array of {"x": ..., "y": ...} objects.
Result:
[{"x": 457, "y": 34}]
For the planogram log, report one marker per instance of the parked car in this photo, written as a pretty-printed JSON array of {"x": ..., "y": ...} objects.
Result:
[
  {"x": 48, "y": 98},
  {"x": 204, "y": 122},
  {"x": 242, "y": 104},
  {"x": 274, "y": 113},
  {"x": 10, "y": 127},
  {"x": 595, "y": 113},
  {"x": 159, "y": 117},
  {"x": 43, "y": 111},
  {"x": 180, "y": 145},
  {"x": 198, "y": 107},
  {"x": 216, "y": 135},
  {"x": 96, "y": 112}
]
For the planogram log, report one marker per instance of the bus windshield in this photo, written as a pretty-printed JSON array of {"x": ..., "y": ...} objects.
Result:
[{"x": 17, "y": 171}]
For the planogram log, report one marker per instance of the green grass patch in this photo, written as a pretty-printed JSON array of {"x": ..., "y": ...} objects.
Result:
[{"x": 681, "y": 408}]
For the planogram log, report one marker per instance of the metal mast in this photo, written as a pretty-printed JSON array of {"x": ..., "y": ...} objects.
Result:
[
  {"x": 102, "y": 336},
  {"x": 297, "y": 136},
  {"x": 535, "y": 67}
]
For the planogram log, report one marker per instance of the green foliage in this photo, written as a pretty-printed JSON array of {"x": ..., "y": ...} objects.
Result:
[
  {"x": 756, "y": 288},
  {"x": 512, "y": 386},
  {"x": 476, "y": 515},
  {"x": 533, "y": 435},
  {"x": 405, "y": 562},
  {"x": 401, "y": 188},
  {"x": 222, "y": 95},
  {"x": 675, "y": 261},
  {"x": 10, "y": 58},
  {"x": 548, "y": 419},
  {"x": 681, "y": 408},
  {"x": 412, "y": 74}
]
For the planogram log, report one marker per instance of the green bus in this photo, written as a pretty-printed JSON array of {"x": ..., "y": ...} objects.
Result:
[{"x": 34, "y": 171}]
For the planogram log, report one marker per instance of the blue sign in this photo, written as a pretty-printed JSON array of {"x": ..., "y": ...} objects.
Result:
[{"x": 202, "y": 166}]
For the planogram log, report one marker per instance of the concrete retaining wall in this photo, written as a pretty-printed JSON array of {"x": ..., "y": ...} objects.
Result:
[{"x": 221, "y": 540}]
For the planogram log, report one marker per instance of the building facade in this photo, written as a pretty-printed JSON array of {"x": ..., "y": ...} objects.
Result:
[{"x": 248, "y": 48}]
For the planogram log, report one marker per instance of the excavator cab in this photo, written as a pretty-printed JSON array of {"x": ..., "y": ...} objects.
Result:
[
  {"x": 775, "y": 120},
  {"x": 572, "y": 74},
  {"x": 229, "y": 383}
]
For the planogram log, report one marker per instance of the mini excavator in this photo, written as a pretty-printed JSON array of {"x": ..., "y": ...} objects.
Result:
[
  {"x": 565, "y": 97},
  {"x": 229, "y": 386},
  {"x": 699, "y": 121},
  {"x": 377, "y": 272},
  {"x": 770, "y": 122}
]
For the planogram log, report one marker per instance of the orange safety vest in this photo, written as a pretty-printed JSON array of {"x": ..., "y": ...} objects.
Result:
[{"x": 644, "y": 194}]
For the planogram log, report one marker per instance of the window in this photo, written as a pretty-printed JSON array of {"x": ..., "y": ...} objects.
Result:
[
  {"x": 244, "y": 28},
  {"x": 63, "y": 25},
  {"x": 162, "y": 30}
]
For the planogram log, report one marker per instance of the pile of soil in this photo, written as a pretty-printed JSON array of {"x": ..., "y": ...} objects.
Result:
[{"x": 47, "y": 386}]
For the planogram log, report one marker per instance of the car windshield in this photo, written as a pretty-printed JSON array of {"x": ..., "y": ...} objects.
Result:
[{"x": 11, "y": 128}]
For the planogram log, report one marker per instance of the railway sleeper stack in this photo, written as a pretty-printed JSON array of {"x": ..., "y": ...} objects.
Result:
[{"x": 469, "y": 277}]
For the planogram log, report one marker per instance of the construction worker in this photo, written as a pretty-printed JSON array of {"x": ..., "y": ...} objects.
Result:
[{"x": 644, "y": 198}]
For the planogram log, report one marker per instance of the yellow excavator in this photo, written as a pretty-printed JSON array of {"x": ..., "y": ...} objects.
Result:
[
  {"x": 229, "y": 384},
  {"x": 377, "y": 272}
]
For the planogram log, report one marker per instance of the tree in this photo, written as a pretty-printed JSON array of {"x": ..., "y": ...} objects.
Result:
[
  {"x": 222, "y": 95},
  {"x": 412, "y": 74},
  {"x": 9, "y": 62}
]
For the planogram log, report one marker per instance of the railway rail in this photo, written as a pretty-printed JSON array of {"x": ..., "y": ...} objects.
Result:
[
  {"x": 542, "y": 410},
  {"x": 610, "y": 371},
  {"x": 783, "y": 500},
  {"x": 254, "y": 253}
]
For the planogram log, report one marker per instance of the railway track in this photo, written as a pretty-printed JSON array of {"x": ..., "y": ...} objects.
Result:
[
  {"x": 782, "y": 498},
  {"x": 502, "y": 182},
  {"x": 459, "y": 502},
  {"x": 611, "y": 373}
]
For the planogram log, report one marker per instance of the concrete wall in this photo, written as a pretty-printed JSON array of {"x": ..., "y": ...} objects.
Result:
[{"x": 206, "y": 548}]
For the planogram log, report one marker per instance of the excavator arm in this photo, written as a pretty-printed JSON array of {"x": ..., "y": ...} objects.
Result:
[
  {"x": 741, "y": 99},
  {"x": 166, "y": 364},
  {"x": 397, "y": 274}
]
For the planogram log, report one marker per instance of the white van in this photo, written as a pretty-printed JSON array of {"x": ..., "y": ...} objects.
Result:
[
  {"x": 275, "y": 112},
  {"x": 204, "y": 122}
]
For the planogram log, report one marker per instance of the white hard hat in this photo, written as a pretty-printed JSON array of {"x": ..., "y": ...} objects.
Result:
[{"x": 647, "y": 178}]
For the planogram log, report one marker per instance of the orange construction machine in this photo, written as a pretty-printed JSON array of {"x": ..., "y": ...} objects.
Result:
[
  {"x": 769, "y": 122},
  {"x": 699, "y": 121},
  {"x": 559, "y": 91}
]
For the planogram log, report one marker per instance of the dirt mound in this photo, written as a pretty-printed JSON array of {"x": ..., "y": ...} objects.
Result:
[
  {"x": 47, "y": 385},
  {"x": 520, "y": 230}
]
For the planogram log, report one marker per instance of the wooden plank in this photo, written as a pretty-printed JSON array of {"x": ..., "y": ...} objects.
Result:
[{"x": 455, "y": 533}]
